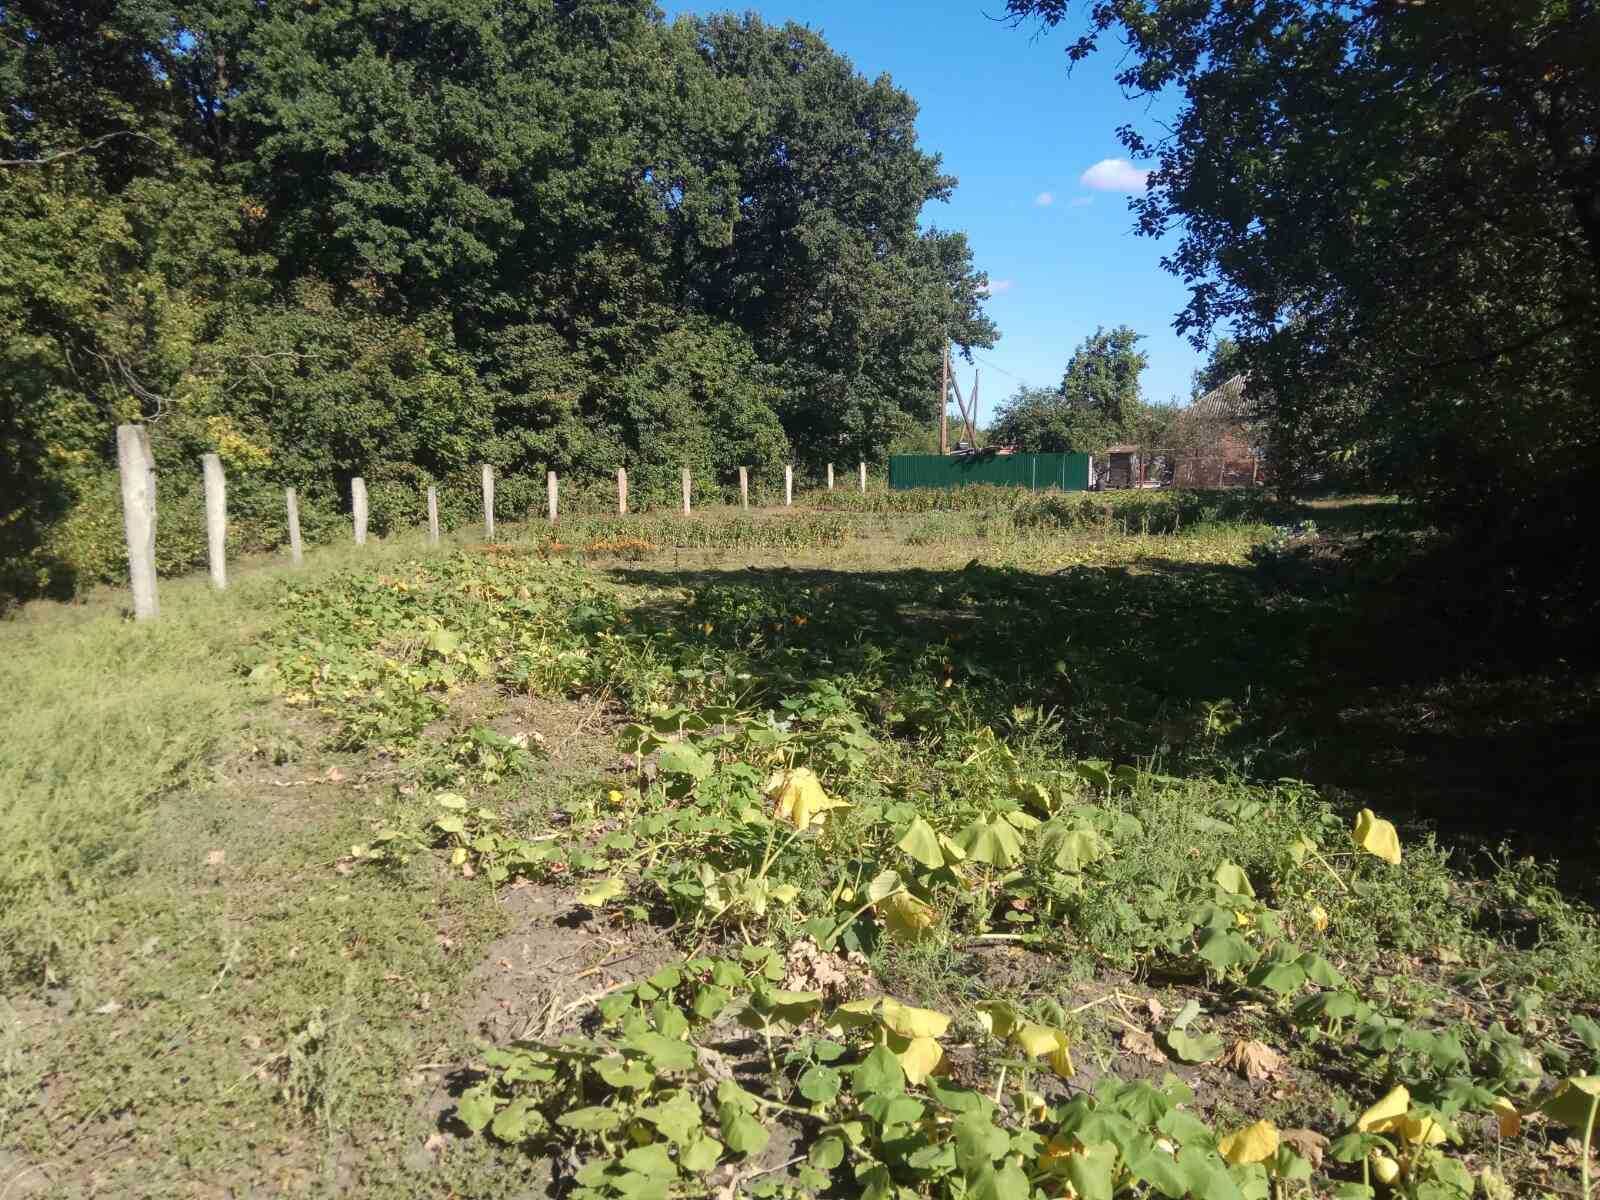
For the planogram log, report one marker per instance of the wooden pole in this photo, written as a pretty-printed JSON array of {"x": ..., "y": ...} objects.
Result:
[
  {"x": 744, "y": 487},
  {"x": 863, "y": 479},
  {"x": 788, "y": 485},
  {"x": 488, "y": 502},
  {"x": 433, "y": 516},
  {"x": 552, "y": 496},
  {"x": 137, "y": 468},
  {"x": 216, "y": 485},
  {"x": 961, "y": 401},
  {"x": 973, "y": 437},
  {"x": 291, "y": 503},
  {"x": 686, "y": 485},
  {"x": 830, "y": 477},
  {"x": 358, "y": 508},
  {"x": 944, "y": 402},
  {"x": 622, "y": 492}
]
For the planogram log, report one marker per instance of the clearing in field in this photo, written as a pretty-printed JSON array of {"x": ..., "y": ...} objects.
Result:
[{"x": 1148, "y": 848}]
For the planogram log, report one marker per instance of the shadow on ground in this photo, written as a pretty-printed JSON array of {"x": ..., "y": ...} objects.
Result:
[{"x": 1390, "y": 689}]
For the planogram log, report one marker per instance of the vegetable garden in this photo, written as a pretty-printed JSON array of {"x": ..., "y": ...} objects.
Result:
[{"x": 931, "y": 875}]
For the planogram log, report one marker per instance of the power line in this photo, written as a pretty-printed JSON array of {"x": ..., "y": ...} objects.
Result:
[{"x": 1002, "y": 370}]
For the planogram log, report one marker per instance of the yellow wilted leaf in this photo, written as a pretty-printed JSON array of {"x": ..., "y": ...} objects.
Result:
[
  {"x": 913, "y": 1022},
  {"x": 905, "y": 916},
  {"x": 1421, "y": 1131},
  {"x": 1319, "y": 917},
  {"x": 997, "y": 1017},
  {"x": 1057, "y": 1150},
  {"x": 1040, "y": 1041},
  {"x": 1252, "y": 1144},
  {"x": 800, "y": 798},
  {"x": 920, "y": 1058},
  {"x": 1383, "y": 1116},
  {"x": 1377, "y": 836},
  {"x": 1509, "y": 1118}
]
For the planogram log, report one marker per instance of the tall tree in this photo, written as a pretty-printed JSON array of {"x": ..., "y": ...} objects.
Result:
[
  {"x": 1102, "y": 376},
  {"x": 1397, "y": 207},
  {"x": 1098, "y": 402}
]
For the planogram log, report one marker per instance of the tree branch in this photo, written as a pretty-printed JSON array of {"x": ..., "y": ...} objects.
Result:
[{"x": 60, "y": 154}]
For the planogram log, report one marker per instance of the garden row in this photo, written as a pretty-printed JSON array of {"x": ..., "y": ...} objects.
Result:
[{"x": 835, "y": 808}]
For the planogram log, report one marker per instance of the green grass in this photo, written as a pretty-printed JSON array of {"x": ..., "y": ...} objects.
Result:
[{"x": 229, "y": 970}]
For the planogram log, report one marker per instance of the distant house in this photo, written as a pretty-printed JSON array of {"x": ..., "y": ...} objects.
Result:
[{"x": 1214, "y": 443}]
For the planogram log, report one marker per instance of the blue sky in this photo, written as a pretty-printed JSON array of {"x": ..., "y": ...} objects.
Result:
[{"x": 1019, "y": 132}]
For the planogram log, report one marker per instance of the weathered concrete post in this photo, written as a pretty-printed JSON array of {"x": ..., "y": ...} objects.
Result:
[
  {"x": 550, "y": 487},
  {"x": 358, "y": 508},
  {"x": 830, "y": 477},
  {"x": 137, "y": 469},
  {"x": 622, "y": 491},
  {"x": 488, "y": 502},
  {"x": 863, "y": 479},
  {"x": 433, "y": 515},
  {"x": 686, "y": 508},
  {"x": 216, "y": 518},
  {"x": 788, "y": 485},
  {"x": 291, "y": 503},
  {"x": 744, "y": 487}
]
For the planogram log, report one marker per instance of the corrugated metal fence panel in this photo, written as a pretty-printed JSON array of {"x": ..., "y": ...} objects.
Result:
[{"x": 1069, "y": 472}]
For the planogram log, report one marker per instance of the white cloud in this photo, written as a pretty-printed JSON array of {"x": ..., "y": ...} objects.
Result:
[
  {"x": 1081, "y": 201},
  {"x": 1045, "y": 199},
  {"x": 1114, "y": 175},
  {"x": 996, "y": 286}
]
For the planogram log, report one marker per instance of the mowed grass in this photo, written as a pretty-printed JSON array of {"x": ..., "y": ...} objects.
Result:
[{"x": 224, "y": 973}]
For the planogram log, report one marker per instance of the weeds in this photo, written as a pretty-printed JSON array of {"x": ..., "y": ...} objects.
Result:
[
  {"x": 794, "y": 780},
  {"x": 850, "y": 798}
]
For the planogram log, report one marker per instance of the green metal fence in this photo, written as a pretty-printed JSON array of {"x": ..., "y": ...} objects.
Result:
[{"x": 1069, "y": 472}]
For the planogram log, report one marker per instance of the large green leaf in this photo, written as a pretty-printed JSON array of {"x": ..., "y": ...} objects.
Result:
[
  {"x": 996, "y": 843},
  {"x": 1225, "y": 949},
  {"x": 680, "y": 758},
  {"x": 742, "y": 1132},
  {"x": 879, "y": 1073},
  {"x": 921, "y": 842}
]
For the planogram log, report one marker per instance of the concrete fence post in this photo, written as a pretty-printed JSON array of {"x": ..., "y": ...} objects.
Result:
[
  {"x": 830, "y": 477},
  {"x": 216, "y": 518},
  {"x": 551, "y": 496},
  {"x": 788, "y": 485},
  {"x": 744, "y": 487},
  {"x": 863, "y": 479},
  {"x": 358, "y": 508},
  {"x": 622, "y": 491},
  {"x": 488, "y": 502},
  {"x": 433, "y": 515},
  {"x": 291, "y": 504},
  {"x": 686, "y": 485},
  {"x": 137, "y": 468}
]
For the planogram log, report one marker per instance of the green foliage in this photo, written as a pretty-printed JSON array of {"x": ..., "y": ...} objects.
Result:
[
  {"x": 1342, "y": 179},
  {"x": 1097, "y": 404},
  {"x": 1224, "y": 360},
  {"x": 1008, "y": 759},
  {"x": 333, "y": 241}
]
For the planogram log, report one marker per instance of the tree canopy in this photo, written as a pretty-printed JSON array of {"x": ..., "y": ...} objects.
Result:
[
  {"x": 1098, "y": 402},
  {"x": 1395, "y": 208},
  {"x": 395, "y": 240}
]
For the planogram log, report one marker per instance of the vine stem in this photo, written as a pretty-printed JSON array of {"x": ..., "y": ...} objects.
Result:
[{"x": 1588, "y": 1143}]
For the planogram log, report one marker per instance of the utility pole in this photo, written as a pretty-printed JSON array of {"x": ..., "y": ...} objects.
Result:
[
  {"x": 974, "y": 408},
  {"x": 944, "y": 402}
]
